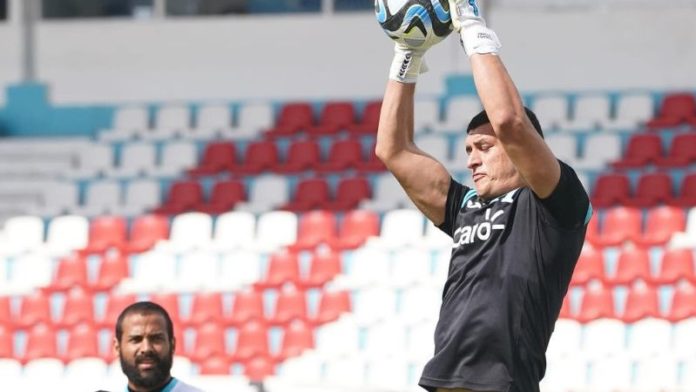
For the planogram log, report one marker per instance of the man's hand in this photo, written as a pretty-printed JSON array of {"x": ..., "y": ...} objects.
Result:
[{"x": 475, "y": 36}]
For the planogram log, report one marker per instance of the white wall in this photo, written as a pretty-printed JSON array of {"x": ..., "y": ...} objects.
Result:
[{"x": 345, "y": 56}]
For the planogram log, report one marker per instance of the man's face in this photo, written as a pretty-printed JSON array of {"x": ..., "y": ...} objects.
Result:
[
  {"x": 145, "y": 351},
  {"x": 491, "y": 168}
]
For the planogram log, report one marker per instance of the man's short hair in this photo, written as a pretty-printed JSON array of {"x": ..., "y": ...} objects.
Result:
[
  {"x": 144, "y": 307},
  {"x": 482, "y": 118}
]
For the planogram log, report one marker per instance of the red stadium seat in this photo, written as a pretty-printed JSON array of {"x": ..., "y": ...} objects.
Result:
[
  {"x": 372, "y": 164},
  {"x": 310, "y": 194},
  {"x": 676, "y": 264},
  {"x": 183, "y": 196},
  {"x": 5, "y": 312},
  {"x": 683, "y": 303},
  {"x": 297, "y": 338},
  {"x": 686, "y": 196},
  {"x": 633, "y": 264},
  {"x": 597, "y": 302},
  {"x": 225, "y": 195},
  {"x": 112, "y": 269},
  {"x": 34, "y": 309},
  {"x": 170, "y": 303},
  {"x": 682, "y": 151},
  {"x": 325, "y": 265},
  {"x": 590, "y": 266},
  {"x": 349, "y": 193},
  {"x": 642, "y": 149},
  {"x": 293, "y": 119},
  {"x": 106, "y": 232},
  {"x": 611, "y": 189},
  {"x": 252, "y": 341},
  {"x": 660, "y": 223},
  {"x": 302, "y": 155},
  {"x": 592, "y": 233},
  {"x": 206, "y": 307},
  {"x": 78, "y": 308},
  {"x": 217, "y": 157},
  {"x": 247, "y": 307},
  {"x": 343, "y": 155},
  {"x": 6, "y": 341},
  {"x": 641, "y": 302},
  {"x": 334, "y": 117},
  {"x": 71, "y": 272},
  {"x": 82, "y": 343},
  {"x": 115, "y": 303},
  {"x": 369, "y": 121},
  {"x": 621, "y": 224},
  {"x": 676, "y": 109},
  {"x": 209, "y": 342},
  {"x": 315, "y": 228},
  {"x": 259, "y": 156},
  {"x": 355, "y": 228},
  {"x": 215, "y": 365},
  {"x": 291, "y": 304},
  {"x": 652, "y": 189},
  {"x": 565, "y": 312},
  {"x": 283, "y": 267},
  {"x": 332, "y": 305},
  {"x": 40, "y": 343},
  {"x": 146, "y": 231},
  {"x": 259, "y": 368}
]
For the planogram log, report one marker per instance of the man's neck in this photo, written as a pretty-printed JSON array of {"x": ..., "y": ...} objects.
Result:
[{"x": 156, "y": 389}]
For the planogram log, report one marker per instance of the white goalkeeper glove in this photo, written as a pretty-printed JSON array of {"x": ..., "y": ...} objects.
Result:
[
  {"x": 407, "y": 64},
  {"x": 475, "y": 36}
]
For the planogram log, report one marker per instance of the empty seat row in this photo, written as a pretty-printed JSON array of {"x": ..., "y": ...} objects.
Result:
[
  {"x": 646, "y": 148},
  {"x": 618, "y": 225},
  {"x": 652, "y": 188},
  {"x": 298, "y": 118}
]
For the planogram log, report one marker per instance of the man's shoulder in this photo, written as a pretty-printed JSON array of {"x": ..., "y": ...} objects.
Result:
[{"x": 180, "y": 386}]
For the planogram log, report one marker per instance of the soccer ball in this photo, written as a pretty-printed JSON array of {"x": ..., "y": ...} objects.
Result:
[{"x": 414, "y": 23}]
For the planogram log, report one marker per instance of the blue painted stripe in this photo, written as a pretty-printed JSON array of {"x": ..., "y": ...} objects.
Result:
[
  {"x": 589, "y": 213},
  {"x": 440, "y": 12},
  {"x": 416, "y": 11},
  {"x": 469, "y": 195}
]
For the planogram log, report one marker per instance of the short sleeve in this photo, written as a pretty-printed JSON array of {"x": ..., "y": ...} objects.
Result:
[{"x": 568, "y": 204}]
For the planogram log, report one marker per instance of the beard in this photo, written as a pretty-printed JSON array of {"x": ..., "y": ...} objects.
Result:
[{"x": 153, "y": 377}]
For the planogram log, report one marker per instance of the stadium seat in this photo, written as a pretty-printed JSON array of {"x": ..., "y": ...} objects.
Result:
[
  {"x": 426, "y": 116},
  {"x": 387, "y": 194},
  {"x": 177, "y": 158},
  {"x": 384, "y": 339},
  {"x": 682, "y": 151},
  {"x": 620, "y": 224},
  {"x": 238, "y": 269},
  {"x": 683, "y": 338},
  {"x": 291, "y": 304},
  {"x": 283, "y": 267},
  {"x": 136, "y": 159},
  {"x": 146, "y": 232},
  {"x": 27, "y": 273},
  {"x": 603, "y": 337},
  {"x": 170, "y": 303},
  {"x": 127, "y": 122},
  {"x": 89, "y": 373},
  {"x": 687, "y": 238},
  {"x": 6, "y": 317},
  {"x": 266, "y": 192},
  {"x": 59, "y": 197},
  {"x": 675, "y": 109},
  {"x": 436, "y": 145},
  {"x": 142, "y": 195},
  {"x": 565, "y": 340},
  {"x": 218, "y": 157},
  {"x": 253, "y": 119},
  {"x": 82, "y": 343},
  {"x": 355, "y": 228},
  {"x": 675, "y": 265},
  {"x": 106, "y": 232},
  {"x": 115, "y": 303},
  {"x": 333, "y": 118},
  {"x": 325, "y": 265},
  {"x": 590, "y": 112},
  {"x": 592, "y": 233},
  {"x": 218, "y": 365},
  {"x": 648, "y": 337},
  {"x": 419, "y": 304},
  {"x": 633, "y": 264},
  {"x": 212, "y": 120},
  {"x": 371, "y": 164},
  {"x": 400, "y": 227},
  {"x": 373, "y": 305},
  {"x": 252, "y": 341},
  {"x": 302, "y": 155},
  {"x": 171, "y": 120},
  {"x": 337, "y": 339},
  {"x": 197, "y": 270},
  {"x": 564, "y": 147},
  {"x": 410, "y": 266},
  {"x": 310, "y": 194},
  {"x": 597, "y": 302},
  {"x": 315, "y": 228},
  {"x": 590, "y": 266},
  {"x": 552, "y": 111},
  {"x": 459, "y": 110},
  {"x": 112, "y": 270},
  {"x": 259, "y": 368},
  {"x": 206, "y": 307},
  {"x": 95, "y": 160},
  {"x": 343, "y": 155},
  {"x": 683, "y": 304},
  {"x": 6, "y": 343},
  {"x": 224, "y": 197},
  {"x": 304, "y": 369},
  {"x": 209, "y": 342},
  {"x": 183, "y": 195},
  {"x": 350, "y": 192},
  {"x": 247, "y": 307},
  {"x": 642, "y": 149},
  {"x": 660, "y": 224},
  {"x": 369, "y": 120},
  {"x": 259, "y": 156},
  {"x": 233, "y": 230},
  {"x": 686, "y": 196},
  {"x": 22, "y": 233},
  {"x": 78, "y": 308},
  {"x": 102, "y": 197},
  {"x": 332, "y": 304},
  {"x": 70, "y": 272},
  {"x": 611, "y": 189},
  {"x": 40, "y": 343},
  {"x": 652, "y": 189},
  {"x": 632, "y": 111},
  {"x": 368, "y": 266},
  {"x": 275, "y": 230},
  {"x": 599, "y": 149},
  {"x": 641, "y": 302},
  {"x": 43, "y": 373},
  {"x": 189, "y": 231},
  {"x": 294, "y": 118},
  {"x": 152, "y": 271},
  {"x": 66, "y": 233},
  {"x": 34, "y": 309},
  {"x": 611, "y": 373}
]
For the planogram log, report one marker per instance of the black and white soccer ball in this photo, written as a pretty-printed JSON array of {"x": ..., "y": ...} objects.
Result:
[{"x": 414, "y": 23}]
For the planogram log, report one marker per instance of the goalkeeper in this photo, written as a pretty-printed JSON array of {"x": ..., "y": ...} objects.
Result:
[{"x": 516, "y": 235}]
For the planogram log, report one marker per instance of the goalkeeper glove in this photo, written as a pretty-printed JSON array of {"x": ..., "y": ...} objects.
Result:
[{"x": 475, "y": 36}]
